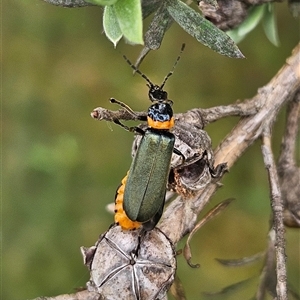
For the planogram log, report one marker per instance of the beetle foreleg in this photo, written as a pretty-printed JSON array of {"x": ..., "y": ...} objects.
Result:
[
  {"x": 130, "y": 129},
  {"x": 128, "y": 109},
  {"x": 176, "y": 151}
]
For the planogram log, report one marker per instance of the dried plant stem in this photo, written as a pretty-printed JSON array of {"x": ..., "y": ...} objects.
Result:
[
  {"x": 268, "y": 277},
  {"x": 288, "y": 171},
  {"x": 277, "y": 208}
]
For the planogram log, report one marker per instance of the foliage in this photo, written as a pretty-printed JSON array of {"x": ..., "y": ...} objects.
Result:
[
  {"x": 124, "y": 19},
  {"x": 264, "y": 13}
]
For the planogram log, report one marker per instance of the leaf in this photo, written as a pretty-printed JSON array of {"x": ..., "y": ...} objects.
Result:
[
  {"x": 111, "y": 25},
  {"x": 69, "y": 3},
  {"x": 102, "y": 2},
  {"x": 269, "y": 24},
  {"x": 157, "y": 28},
  {"x": 234, "y": 35},
  {"x": 177, "y": 290},
  {"x": 160, "y": 23},
  {"x": 228, "y": 290},
  {"x": 255, "y": 15},
  {"x": 129, "y": 14},
  {"x": 149, "y": 7},
  {"x": 203, "y": 30},
  {"x": 141, "y": 56},
  {"x": 242, "y": 261},
  {"x": 212, "y": 213}
]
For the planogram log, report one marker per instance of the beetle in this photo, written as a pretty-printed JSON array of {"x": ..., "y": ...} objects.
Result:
[{"x": 146, "y": 182}]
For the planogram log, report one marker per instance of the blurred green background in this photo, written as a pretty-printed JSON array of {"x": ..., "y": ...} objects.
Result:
[{"x": 61, "y": 168}]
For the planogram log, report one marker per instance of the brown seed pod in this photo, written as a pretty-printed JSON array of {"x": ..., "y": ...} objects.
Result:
[{"x": 131, "y": 264}]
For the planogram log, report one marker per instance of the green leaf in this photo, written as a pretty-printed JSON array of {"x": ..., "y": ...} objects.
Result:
[
  {"x": 111, "y": 25},
  {"x": 157, "y": 28},
  {"x": 150, "y": 6},
  {"x": 269, "y": 24},
  {"x": 102, "y": 2},
  {"x": 255, "y": 15},
  {"x": 203, "y": 30},
  {"x": 234, "y": 35},
  {"x": 129, "y": 14}
]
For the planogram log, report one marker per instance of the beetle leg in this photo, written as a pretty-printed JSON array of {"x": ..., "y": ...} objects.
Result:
[
  {"x": 186, "y": 162},
  {"x": 128, "y": 109},
  {"x": 141, "y": 236},
  {"x": 176, "y": 151},
  {"x": 116, "y": 121},
  {"x": 139, "y": 130},
  {"x": 130, "y": 129},
  {"x": 122, "y": 104},
  {"x": 219, "y": 170}
]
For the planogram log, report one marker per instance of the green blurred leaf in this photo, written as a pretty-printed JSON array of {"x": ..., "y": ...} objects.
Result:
[
  {"x": 160, "y": 23},
  {"x": 129, "y": 14},
  {"x": 234, "y": 35},
  {"x": 203, "y": 30},
  {"x": 230, "y": 289},
  {"x": 241, "y": 261},
  {"x": 269, "y": 24},
  {"x": 111, "y": 25},
  {"x": 294, "y": 7},
  {"x": 264, "y": 13},
  {"x": 255, "y": 15},
  {"x": 150, "y": 6},
  {"x": 102, "y": 2},
  {"x": 61, "y": 154}
]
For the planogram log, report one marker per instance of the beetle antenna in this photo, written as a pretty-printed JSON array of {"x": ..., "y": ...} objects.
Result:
[
  {"x": 138, "y": 71},
  {"x": 174, "y": 66}
]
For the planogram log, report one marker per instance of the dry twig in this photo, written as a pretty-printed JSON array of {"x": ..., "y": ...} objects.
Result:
[{"x": 277, "y": 209}]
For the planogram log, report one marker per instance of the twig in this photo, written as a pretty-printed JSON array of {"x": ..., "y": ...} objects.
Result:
[
  {"x": 267, "y": 280},
  {"x": 81, "y": 295},
  {"x": 288, "y": 171},
  {"x": 198, "y": 117},
  {"x": 287, "y": 155},
  {"x": 277, "y": 208}
]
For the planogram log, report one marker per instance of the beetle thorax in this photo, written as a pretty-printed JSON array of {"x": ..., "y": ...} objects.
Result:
[{"x": 160, "y": 116}]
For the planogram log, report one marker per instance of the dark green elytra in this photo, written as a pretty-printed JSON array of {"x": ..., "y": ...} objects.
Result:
[{"x": 145, "y": 189}]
